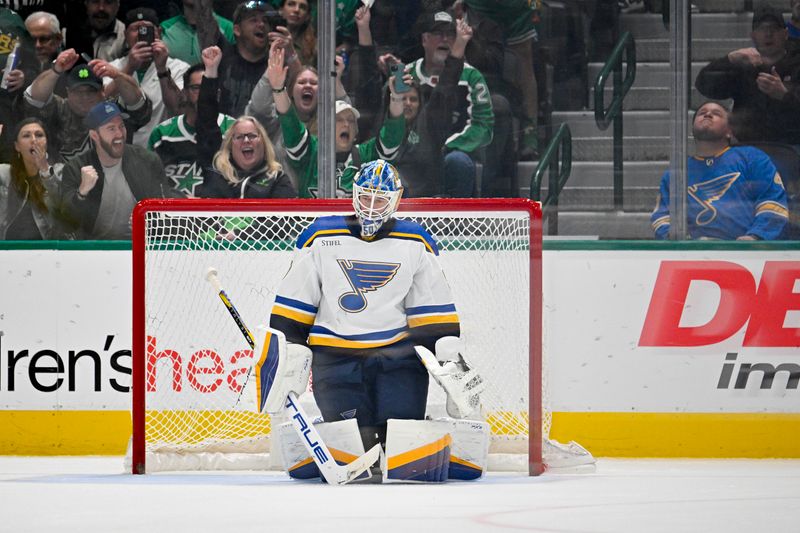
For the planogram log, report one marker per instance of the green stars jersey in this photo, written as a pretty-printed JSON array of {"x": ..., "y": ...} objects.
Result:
[
  {"x": 301, "y": 149},
  {"x": 174, "y": 142},
  {"x": 473, "y": 117}
]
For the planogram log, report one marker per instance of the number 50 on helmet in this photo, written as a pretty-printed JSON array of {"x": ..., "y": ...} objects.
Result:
[{"x": 376, "y": 195}]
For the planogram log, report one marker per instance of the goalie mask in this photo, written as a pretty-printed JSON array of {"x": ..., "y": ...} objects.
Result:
[{"x": 376, "y": 195}]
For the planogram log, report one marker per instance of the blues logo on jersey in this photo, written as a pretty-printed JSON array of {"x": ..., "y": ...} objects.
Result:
[{"x": 363, "y": 277}]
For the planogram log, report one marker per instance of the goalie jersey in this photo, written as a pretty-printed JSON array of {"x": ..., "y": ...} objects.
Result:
[{"x": 346, "y": 295}]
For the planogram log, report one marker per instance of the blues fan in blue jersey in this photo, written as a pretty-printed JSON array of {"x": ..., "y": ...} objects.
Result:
[
  {"x": 734, "y": 192},
  {"x": 364, "y": 292}
]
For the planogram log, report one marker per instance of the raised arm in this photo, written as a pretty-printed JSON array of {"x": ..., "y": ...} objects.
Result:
[
  {"x": 129, "y": 91},
  {"x": 208, "y": 33},
  {"x": 45, "y": 83},
  {"x": 209, "y": 135},
  {"x": 170, "y": 92},
  {"x": 276, "y": 75}
]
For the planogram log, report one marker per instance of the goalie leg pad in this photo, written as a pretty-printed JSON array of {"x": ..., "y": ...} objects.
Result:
[
  {"x": 343, "y": 440},
  {"x": 435, "y": 450},
  {"x": 281, "y": 368},
  {"x": 416, "y": 451},
  {"x": 469, "y": 452}
]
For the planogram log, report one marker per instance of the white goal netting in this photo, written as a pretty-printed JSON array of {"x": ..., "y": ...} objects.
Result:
[{"x": 196, "y": 361}]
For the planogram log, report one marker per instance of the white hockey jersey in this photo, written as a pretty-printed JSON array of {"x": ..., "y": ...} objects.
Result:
[{"x": 345, "y": 294}]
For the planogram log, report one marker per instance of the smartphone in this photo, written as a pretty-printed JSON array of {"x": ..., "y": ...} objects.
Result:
[
  {"x": 147, "y": 34},
  {"x": 275, "y": 19},
  {"x": 400, "y": 86}
]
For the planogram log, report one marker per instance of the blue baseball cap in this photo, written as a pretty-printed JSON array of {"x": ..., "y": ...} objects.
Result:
[{"x": 102, "y": 113}]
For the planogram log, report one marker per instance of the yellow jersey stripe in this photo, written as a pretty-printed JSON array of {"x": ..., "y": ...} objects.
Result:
[
  {"x": 657, "y": 223},
  {"x": 412, "y": 236},
  {"x": 427, "y": 450},
  {"x": 772, "y": 207},
  {"x": 416, "y": 322},
  {"x": 293, "y": 314},
  {"x": 324, "y": 232},
  {"x": 335, "y": 342}
]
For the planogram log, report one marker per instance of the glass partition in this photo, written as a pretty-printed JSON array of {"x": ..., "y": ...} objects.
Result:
[{"x": 580, "y": 104}]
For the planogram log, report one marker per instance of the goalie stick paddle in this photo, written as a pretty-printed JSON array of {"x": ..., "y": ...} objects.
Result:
[{"x": 334, "y": 473}]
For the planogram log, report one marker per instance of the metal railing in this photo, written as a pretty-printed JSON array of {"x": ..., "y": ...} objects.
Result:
[
  {"x": 557, "y": 160},
  {"x": 604, "y": 116}
]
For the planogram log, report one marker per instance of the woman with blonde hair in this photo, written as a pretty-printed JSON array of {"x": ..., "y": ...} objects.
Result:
[
  {"x": 244, "y": 165},
  {"x": 29, "y": 188}
]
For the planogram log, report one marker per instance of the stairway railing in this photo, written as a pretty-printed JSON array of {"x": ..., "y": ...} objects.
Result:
[
  {"x": 557, "y": 159},
  {"x": 604, "y": 116}
]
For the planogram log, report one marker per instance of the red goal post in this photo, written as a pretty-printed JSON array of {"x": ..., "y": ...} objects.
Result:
[{"x": 189, "y": 361}]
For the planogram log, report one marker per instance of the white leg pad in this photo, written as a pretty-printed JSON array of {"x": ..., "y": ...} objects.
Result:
[
  {"x": 342, "y": 438},
  {"x": 435, "y": 450}
]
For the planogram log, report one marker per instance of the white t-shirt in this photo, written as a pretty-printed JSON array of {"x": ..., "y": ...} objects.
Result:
[
  {"x": 151, "y": 86},
  {"x": 116, "y": 206}
]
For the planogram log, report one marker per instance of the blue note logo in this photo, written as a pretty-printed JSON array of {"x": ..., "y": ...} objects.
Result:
[
  {"x": 364, "y": 276},
  {"x": 708, "y": 192}
]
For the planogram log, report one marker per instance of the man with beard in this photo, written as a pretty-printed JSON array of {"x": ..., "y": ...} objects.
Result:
[
  {"x": 734, "y": 192},
  {"x": 102, "y": 185},
  {"x": 101, "y": 35}
]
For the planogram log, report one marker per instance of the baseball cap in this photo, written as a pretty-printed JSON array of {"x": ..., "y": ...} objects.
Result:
[
  {"x": 248, "y": 7},
  {"x": 439, "y": 20},
  {"x": 141, "y": 13},
  {"x": 101, "y": 113},
  {"x": 767, "y": 13},
  {"x": 341, "y": 105},
  {"x": 83, "y": 75}
]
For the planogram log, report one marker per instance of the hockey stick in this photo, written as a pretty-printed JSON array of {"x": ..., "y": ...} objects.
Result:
[{"x": 334, "y": 473}]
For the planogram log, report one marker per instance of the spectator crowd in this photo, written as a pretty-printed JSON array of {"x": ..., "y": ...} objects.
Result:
[{"x": 107, "y": 102}]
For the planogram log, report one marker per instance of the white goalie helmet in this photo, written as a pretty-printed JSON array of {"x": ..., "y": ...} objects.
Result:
[{"x": 376, "y": 195}]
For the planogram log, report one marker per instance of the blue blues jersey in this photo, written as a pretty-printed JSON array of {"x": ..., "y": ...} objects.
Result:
[
  {"x": 350, "y": 295},
  {"x": 735, "y": 193}
]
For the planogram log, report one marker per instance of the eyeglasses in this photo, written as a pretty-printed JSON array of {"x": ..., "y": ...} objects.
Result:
[
  {"x": 44, "y": 39},
  {"x": 249, "y": 136}
]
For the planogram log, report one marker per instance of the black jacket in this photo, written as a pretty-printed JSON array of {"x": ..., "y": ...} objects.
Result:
[
  {"x": 756, "y": 117},
  {"x": 142, "y": 170}
]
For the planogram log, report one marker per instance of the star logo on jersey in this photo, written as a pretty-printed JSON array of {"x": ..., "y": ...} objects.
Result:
[
  {"x": 708, "y": 192},
  {"x": 85, "y": 144},
  {"x": 364, "y": 277},
  {"x": 186, "y": 176}
]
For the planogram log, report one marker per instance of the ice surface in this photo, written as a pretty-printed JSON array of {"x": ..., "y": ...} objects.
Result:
[{"x": 83, "y": 494}]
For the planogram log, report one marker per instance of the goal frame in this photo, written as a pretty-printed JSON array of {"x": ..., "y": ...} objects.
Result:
[{"x": 344, "y": 206}]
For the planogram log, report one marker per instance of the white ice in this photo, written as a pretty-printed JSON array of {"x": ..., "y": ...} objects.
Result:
[{"x": 63, "y": 494}]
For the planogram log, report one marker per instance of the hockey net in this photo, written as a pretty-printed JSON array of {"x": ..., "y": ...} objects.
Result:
[{"x": 190, "y": 361}]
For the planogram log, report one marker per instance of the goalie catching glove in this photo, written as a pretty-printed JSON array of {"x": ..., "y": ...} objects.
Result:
[
  {"x": 282, "y": 367},
  {"x": 462, "y": 383}
]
